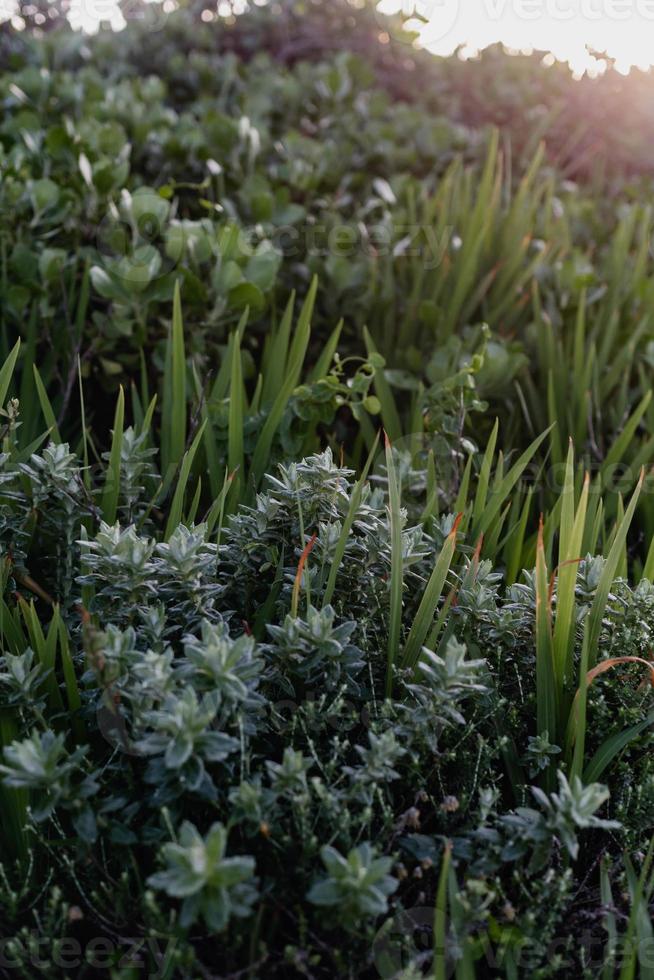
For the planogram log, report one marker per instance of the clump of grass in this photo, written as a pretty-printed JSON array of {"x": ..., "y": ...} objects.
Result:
[{"x": 170, "y": 682}]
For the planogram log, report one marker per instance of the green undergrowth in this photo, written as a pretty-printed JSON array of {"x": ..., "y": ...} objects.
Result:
[
  {"x": 326, "y": 521},
  {"x": 274, "y": 708}
]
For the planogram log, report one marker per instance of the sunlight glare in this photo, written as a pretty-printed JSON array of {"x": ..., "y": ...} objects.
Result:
[{"x": 572, "y": 30}]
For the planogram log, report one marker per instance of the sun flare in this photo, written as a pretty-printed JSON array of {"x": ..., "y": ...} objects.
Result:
[{"x": 574, "y": 31}]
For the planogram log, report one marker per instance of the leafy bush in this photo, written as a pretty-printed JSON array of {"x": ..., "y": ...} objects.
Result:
[
  {"x": 229, "y": 768},
  {"x": 298, "y": 652}
]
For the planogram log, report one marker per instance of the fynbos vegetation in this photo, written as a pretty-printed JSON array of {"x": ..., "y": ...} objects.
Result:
[{"x": 326, "y": 515}]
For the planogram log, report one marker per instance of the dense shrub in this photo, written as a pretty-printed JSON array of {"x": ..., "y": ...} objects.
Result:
[
  {"x": 188, "y": 776},
  {"x": 305, "y": 657}
]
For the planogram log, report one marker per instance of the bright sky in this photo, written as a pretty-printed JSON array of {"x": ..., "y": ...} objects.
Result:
[
  {"x": 566, "y": 28},
  {"x": 624, "y": 29}
]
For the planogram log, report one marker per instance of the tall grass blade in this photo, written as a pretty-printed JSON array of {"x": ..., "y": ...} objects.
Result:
[
  {"x": 389, "y": 413},
  {"x": 611, "y": 748},
  {"x": 6, "y": 372},
  {"x": 173, "y": 407},
  {"x": 428, "y": 607},
  {"x": 637, "y": 889},
  {"x": 235, "y": 448},
  {"x": 440, "y": 971},
  {"x": 46, "y": 406},
  {"x": 296, "y": 356},
  {"x": 608, "y": 575},
  {"x": 571, "y": 534},
  {"x": 397, "y": 567},
  {"x": 546, "y": 690},
  {"x": 111, "y": 492},
  {"x": 341, "y": 544},
  {"x": 500, "y": 493},
  {"x": 177, "y": 505}
]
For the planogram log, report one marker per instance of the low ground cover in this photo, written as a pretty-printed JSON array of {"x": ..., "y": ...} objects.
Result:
[{"x": 326, "y": 521}]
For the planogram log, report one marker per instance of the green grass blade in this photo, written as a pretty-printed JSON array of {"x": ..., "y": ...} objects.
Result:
[
  {"x": 516, "y": 545},
  {"x": 397, "y": 567},
  {"x": 70, "y": 678},
  {"x": 216, "y": 512},
  {"x": 177, "y": 505},
  {"x": 389, "y": 413},
  {"x": 111, "y": 492},
  {"x": 46, "y": 406},
  {"x": 576, "y": 727},
  {"x": 499, "y": 495},
  {"x": 483, "y": 480},
  {"x": 608, "y": 574},
  {"x": 6, "y": 372},
  {"x": 323, "y": 364},
  {"x": 45, "y": 648},
  {"x": 546, "y": 691},
  {"x": 173, "y": 408},
  {"x": 612, "y": 747},
  {"x": 191, "y": 514},
  {"x": 428, "y": 607},
  {"x": 610, "y": 920},
  {"x": 220, "y": 388},
  {"x": 625, "y": 439},
  {"x": 235, "y": 449},
  {"x": 630, "y": 957},
  {"x": 276, "y": 354},
  {"x": 648, "y": 570},
  {"x": 440, "y": 971},
  {"x": 85, "y": 436},
  {"x": 570, "y": 540},
  {"x": 461, "y": 502},
  {"x": 262, "y": 450},
  {"x": 13, "y": 802},
  {"x": 339, "y": 551}
]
